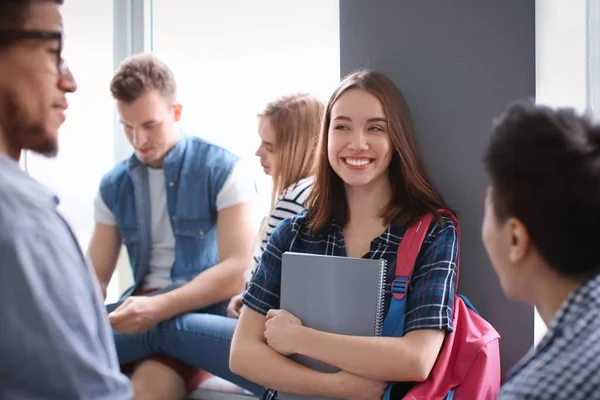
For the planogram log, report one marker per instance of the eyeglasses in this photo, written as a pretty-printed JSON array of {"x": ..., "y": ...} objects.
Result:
[{"x": 7, "y": 36}]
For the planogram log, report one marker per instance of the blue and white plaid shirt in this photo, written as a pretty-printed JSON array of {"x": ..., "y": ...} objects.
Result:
[
  {"x": 430, "y": 298},
  {"x": 566, "y": 363}
]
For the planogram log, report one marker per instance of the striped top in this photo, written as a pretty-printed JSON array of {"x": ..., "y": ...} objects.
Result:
[{"x": 290, "y": 202}]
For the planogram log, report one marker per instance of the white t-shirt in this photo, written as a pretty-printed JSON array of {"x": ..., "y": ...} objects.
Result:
[{"x": 238, "y": 188}]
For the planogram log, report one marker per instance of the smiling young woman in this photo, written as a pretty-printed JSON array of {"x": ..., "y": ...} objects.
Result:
[{"x": 369, "y": 186}]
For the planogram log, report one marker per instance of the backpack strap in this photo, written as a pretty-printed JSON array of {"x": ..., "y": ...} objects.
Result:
[{"x": 408, "y": 251}]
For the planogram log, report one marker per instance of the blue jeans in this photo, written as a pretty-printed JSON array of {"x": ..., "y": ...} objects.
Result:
[{"x": 200, "y": 339}]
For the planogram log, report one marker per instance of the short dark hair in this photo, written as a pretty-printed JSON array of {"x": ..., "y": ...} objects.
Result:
[
  {"x": 544, "y": 166},
  {"x": 140, "y": 73},
  {"x": 13, "y": 13}
]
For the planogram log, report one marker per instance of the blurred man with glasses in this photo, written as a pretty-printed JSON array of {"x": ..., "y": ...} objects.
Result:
[{"x": 55, "y": 340}]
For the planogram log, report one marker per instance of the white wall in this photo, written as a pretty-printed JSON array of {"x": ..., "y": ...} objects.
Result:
[{"x": 561, "y": 53}]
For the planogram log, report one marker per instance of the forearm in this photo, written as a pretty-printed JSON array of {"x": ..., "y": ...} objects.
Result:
[
  {"x": 103, "y": 289},
  {"x": 103, "y": 253},
  {"x": 377, "y": 358},
  {"x": 259, "y": 363},
  {"x": 212, "y": 286},
  {"x": 102, "y": 281}
]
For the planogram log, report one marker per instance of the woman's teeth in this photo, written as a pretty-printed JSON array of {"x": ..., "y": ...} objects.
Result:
[{"x": 358, "y": 162}]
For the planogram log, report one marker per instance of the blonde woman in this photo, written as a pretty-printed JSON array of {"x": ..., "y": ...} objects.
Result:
[{"x": 288, "y": 128}]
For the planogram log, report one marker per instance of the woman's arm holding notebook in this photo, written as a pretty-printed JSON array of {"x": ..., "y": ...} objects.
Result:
[
  {"x": 405, "y": 359},
  {"x": 428, "y": 316},
  {"x": 253, "y": 359}
]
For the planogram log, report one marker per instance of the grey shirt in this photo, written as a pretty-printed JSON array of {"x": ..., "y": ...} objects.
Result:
[{"x": 55, "y": 339}]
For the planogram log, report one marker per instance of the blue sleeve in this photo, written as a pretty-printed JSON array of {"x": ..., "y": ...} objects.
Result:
[
  {"x": 110, "y": 183},
  {"x": 430, "y": 299},
  {"x": 263, "y": 292},
  {"x": 56, "y": 342},
  {"x": 220, "y": 168},
  {"x": 108, "y": 196}
]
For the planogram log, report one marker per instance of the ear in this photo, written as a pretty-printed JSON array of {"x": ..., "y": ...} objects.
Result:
[
  {"x": 519, "y": 242},
  {"x": 177, "y": 110}
]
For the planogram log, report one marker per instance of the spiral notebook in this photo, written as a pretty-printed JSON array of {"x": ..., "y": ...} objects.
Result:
[{"x": 333, "y": 294}]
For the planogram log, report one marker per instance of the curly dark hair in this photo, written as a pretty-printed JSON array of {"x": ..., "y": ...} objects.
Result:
[{"x": 544, "y": 166}]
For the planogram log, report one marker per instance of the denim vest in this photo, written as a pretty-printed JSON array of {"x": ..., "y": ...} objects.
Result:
[{"x": 195, "y": 172}]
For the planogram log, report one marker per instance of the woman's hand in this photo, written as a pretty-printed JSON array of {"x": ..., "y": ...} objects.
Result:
[
  {"x": 235, "y": 306},
  {"x": 282, "y": 331}
]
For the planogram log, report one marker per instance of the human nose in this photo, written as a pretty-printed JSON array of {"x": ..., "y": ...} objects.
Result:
[
  {"x": 358, "y": 140},
  {"x": 139, "y": 137},
  {"x": 67, "y": 81},
  {"x": 259, "y": 151}
]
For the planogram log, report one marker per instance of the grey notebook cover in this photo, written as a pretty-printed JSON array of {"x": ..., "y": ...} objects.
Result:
[{"x": 332, "y": 294}]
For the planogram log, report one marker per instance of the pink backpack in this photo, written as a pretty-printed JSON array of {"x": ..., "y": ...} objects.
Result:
[{"x": 468, "y": 365}]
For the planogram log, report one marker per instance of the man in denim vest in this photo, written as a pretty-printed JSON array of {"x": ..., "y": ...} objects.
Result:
[
  {"x": 55, "y": 341},
  {"x": 182, "y": 207}
]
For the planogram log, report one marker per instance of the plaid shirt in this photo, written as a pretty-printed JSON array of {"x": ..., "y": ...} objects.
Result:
[
  {"x": 430, "y": 298},
  {"x": 566, "y": 363}
]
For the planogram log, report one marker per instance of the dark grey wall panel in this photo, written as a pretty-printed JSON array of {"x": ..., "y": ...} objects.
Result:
[{"x": 459, "y": 63}]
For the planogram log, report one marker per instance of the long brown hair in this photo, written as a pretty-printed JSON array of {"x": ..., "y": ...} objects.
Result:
[
  {"x": 412, "y": 193},
  {"x": 295, "y": 119}
]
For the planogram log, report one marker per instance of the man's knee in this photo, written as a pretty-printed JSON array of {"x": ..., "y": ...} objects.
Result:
[
  {"x": 155, "y": 380},
  {"x": 135, "y": 347}
]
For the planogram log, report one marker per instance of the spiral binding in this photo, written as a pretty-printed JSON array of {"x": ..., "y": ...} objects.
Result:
[{"x": 380, "y": 308}]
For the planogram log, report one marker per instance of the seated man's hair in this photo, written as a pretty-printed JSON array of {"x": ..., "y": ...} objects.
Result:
[
  {"x": 544, "y": 166},
  {"x": 140, "y": 73}
]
